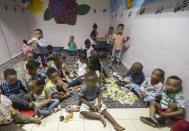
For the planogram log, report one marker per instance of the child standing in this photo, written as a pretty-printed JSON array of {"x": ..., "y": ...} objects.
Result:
[
  {"x": 72, "y": 47},
  {"x": 91, "y": 103},
  {"x": 151, "y": 87},
  {"x": 14, "y": 90},
  {"x": 118, "y": 42},
  {"x": 94, "y": 33},
  {"x": 9, "y": 117},
  {"x": 44, "y": 106},
  {"x": 171, "y": 106}
]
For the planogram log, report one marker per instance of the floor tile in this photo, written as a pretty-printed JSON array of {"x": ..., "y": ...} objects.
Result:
[
  {"x": 140, "y": 126},
  {"x": 119, "y": 113},
  {"x": 46, "y": 126},
  {"x": 93, "y": 125},
  {"x": 71, "y": 126},
  {"x": 76, "y": 116},
  {"x": 28, "y": 127},
  {"x": 127, "y": 124},
  {"x": 165, "y": 129},
  {"x": 135, "y": 113}
]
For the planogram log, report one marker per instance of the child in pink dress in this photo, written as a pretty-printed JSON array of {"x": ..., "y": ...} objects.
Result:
[{"x": 118, "y": 39}]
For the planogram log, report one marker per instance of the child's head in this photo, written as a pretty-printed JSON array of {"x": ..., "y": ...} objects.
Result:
[
  {"x": 173, "y": 84},
  {"x": 93, "y": 63},
  {"x": 29, "y": 56},
  {"x": 91, "y": 79},
  {"x": 50, "y": 48},
  {"x": 72, "y": 38},
  {"x": 32, "y": 67},
  {"x": 95, "y": 27},
  {"x": 137, "y": 67},
  {"x": 111, "y": 29},
  {"x": 38, "y": 86},
  {"x": 120, "y": 28},
  {"x": 53, "y": 75},
  {"x": 38, "y": 33},
  {"x": 10, "y": 75},
  {"x": 87, "y": 43},
  {"x": 157, "y": 75}
]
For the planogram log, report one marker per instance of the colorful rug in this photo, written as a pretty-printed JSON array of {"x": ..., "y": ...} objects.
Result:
[{"x": 114, "y": 97}]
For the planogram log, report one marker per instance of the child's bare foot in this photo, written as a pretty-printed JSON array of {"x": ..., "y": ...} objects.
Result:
[
  {"x": 103, "y": 120},
  {"x": 119, "y": 128},
  {"x": 37, "y": 120}
]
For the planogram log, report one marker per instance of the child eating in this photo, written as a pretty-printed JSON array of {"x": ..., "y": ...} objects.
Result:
[
  {"x": 14, "y": 90},
  {"x": 151, "y": 87},
  {"x": 171, "y": 106},
  {"x": 44, "y": 105},
  {"x": 91, "y": 103},
  {"x": 54, "y": 87},
  {"x": 9, "y": 117},
  {"x": 118, "y": 42}
]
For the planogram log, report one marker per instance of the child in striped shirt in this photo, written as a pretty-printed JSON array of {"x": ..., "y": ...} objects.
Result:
[{"x": 171, "y": 106}]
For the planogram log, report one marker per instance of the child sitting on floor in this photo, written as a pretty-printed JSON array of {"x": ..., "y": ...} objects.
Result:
[
  {"x": 14, "y": 90},
  {"x": 55, "y": 87},
  {"x": 91, "y": 103},
  {"x": 88, "y": 47},
  {"x": 151, "y": 87},
  {"x": 44, "y": 105},
  {"x": 171, "y": 106},
  {"x": 135, "y": 75},
  {"x": 9, "y": 117},
  {"x": 33, "y": 72},
  {"x": 72, "y": 47},
  {"x": 60, "y": 66}
]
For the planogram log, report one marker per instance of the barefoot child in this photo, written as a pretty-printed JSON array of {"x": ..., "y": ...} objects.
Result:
[
  {"x": 151, "y": 87},
  {"x": 91, "y": 103},
  {"x": 44, "y": 106},
  {"x": 9, "y": 117},
  {"x": 171, "y": 106},
  {"x": 118, "y": 42}
]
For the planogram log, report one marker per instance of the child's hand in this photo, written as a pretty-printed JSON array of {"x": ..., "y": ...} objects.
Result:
[
  {"x": 162, "y": 114},
  {"x": 143, "y": 94},
  {"x": 92, "y": 107}
]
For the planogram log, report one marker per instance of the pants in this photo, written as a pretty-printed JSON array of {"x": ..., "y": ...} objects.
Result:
[
  {"x": 116, "y": 55},
  {"x": 17, "y": 119},
  {"x": 20, "y": 101},
  {"x": 75, "y": 82},
  {"x": 147, "y": 98},
  {"x": 49, "y": 109},
  {"x": 72, "y": 53}
]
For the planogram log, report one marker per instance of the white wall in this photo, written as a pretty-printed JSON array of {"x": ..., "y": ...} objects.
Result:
[
  {"x": 159, "y": 41},
  {"x": 13, "y": 30},
  {"x": 58, "y": 34}
]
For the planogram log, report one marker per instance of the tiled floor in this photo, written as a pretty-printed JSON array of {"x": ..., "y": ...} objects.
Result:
[{"x": 129, "y": 118}]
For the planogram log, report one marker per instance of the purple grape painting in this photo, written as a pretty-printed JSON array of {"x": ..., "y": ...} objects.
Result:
[{"x": 65, "y": 11}]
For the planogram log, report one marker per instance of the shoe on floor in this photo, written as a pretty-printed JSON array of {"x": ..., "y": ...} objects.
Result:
[{"x": 149, "y": 121}]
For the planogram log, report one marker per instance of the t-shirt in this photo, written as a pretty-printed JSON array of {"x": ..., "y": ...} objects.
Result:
[
  {"x": 152, "y": 90},
  {"x": 109, "y": 38},
  {"x": 136, "y": 78},
  {"x": 82, "y": 69},
  {"x": 176, "y": 97},
  {"x": 16, "y": 88},
  {"x": 5, "y": 112},
  {"x": 72, "y": 46},
  {"x": 89, "y": 93},
  {"x": 119, "y": 41},
  {"x": 41, "y": 42},
  {"x": 50, "y": 87},
  {"x": 89, "y": 51}
]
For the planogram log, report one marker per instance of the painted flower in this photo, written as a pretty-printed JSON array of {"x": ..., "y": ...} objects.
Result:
[{"x": 65, "y": 11}]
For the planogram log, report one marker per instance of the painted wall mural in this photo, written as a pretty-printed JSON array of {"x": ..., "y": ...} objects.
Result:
[{"x": 65, "y": 11}]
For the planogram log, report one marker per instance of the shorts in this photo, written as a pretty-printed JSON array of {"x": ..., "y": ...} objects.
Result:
[{"x": 86, "y": 108}]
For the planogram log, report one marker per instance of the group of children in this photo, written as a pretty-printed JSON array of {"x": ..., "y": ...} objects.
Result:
[{"x": 45, "y": 86}]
